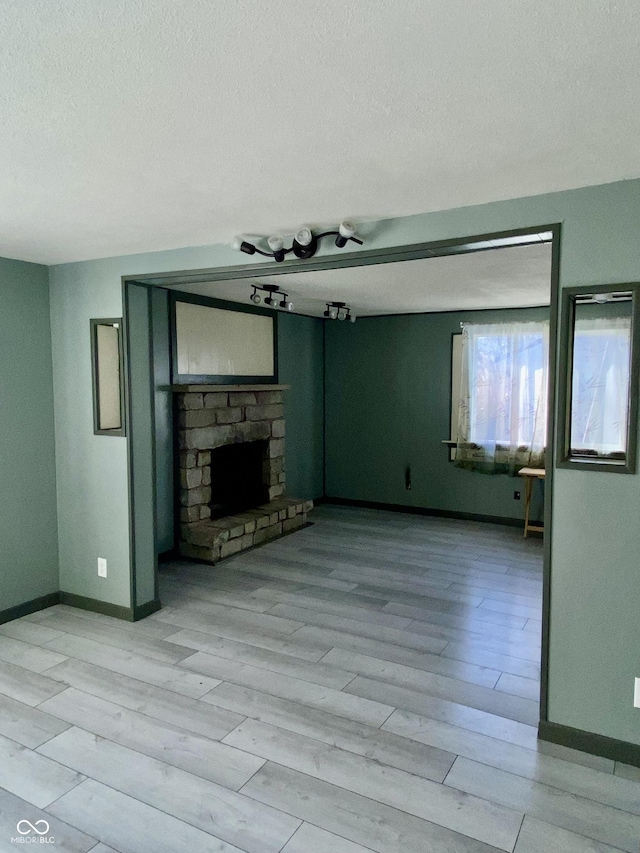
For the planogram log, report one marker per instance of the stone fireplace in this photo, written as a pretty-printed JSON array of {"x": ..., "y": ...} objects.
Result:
[{"x": 232, "y": 469}]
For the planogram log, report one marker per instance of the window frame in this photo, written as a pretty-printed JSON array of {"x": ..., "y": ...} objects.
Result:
[{"x": 564, "y": 457}]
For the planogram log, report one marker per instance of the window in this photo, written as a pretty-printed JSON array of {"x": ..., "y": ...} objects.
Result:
[
  {"x": 507, "y": 387},
  {"x": 502, "y": 407}
]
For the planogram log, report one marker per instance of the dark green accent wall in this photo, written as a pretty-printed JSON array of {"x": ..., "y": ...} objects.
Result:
[
  {"x": 300, "y": 364},
  {"x": 28, "y": 523},
  {"x": 140, "y": 429},
  {"x": 163, "y": 418},
  {"x": 388, "y": 407}
]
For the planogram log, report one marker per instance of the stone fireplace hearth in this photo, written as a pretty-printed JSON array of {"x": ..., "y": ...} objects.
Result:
[{"x": 212, "y": 417}]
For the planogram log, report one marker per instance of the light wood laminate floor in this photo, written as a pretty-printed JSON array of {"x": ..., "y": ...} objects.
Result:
[{"x": 369, "y": 683}]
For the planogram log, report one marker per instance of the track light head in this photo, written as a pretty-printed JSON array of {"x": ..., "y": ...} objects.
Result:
[
  {"x": 285, "y": 304},
  {"x": 305, "y": 244},
  {"x": 351, "y": 317},
  {"x": 273, "y": 292},
  {"x": 241, "y": 245},
  {"x": 276, "y": 244},
  {"x": 346, "y": 230},
  {"x": 255, "y": 297},
  {"x": 304, "y": 236}
]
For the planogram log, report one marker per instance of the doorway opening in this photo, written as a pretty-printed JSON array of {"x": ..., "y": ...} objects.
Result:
[{"x": 351, "y": 434}]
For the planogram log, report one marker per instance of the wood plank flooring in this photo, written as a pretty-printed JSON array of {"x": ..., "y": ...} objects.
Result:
[{"x": 369, "y": 683}]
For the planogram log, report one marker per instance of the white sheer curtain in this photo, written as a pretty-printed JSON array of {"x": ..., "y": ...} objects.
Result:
[
  {"x": 600, "y": 393},
  {"x": 502, "y": 416}
]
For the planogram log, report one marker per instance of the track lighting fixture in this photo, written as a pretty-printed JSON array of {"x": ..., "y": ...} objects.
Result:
[
  {"x": 271, "y": 299},
  {"x": 339, "y": 311},
  {"x": 305, "y": 243}
]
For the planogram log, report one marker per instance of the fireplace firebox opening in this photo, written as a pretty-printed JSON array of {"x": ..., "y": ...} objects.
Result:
[{"x": 238, "y": 477}]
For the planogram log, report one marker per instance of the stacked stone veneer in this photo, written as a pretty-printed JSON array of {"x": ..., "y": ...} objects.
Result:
[{"x": 210, "y": 417}]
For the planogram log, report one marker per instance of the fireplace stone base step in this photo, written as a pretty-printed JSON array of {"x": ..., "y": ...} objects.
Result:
[{"x": 221, "y": 537}]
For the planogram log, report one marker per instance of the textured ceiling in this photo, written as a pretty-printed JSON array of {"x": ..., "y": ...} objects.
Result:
[
  {"x": 518, "y": 277},
  {"x": 138, "y": 125}
]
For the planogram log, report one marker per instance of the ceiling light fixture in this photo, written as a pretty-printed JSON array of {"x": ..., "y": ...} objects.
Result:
[
  {"x": 271, "y": 299},
  {"x": 339, "y": 311},
  {"x": 305, "y": 243}
]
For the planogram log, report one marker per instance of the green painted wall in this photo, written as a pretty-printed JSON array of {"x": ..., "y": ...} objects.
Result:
[
  {"x": 141, "y": 429},
  {"x": 163, "y": 417},
  {"x": 300, "y": 364},
  {"x": 595, "y": 594},
  {"x": 91, "y": 470},
  {"x": 389, "y": 407},
  {"x": 28, "y": 525}
]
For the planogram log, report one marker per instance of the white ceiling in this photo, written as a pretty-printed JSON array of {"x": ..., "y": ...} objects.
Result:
[
  {"x": 139, "y": 125},
  {"x": 516, "y": 277}
]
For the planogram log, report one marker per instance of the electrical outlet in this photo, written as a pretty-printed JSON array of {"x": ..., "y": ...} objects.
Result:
[
  {"x": 636, "y": 693},
  {"x": 102, "y": 567},
  {"x": 516, "y": 496}
]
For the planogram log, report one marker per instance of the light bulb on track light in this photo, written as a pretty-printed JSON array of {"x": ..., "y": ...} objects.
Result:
[
  {"x": 346, "y": 230},
  {"x": 304, "y": 236},
  {"x": 255, "y": 298},
  {"x": 305, "y": 244},
  {"x": 276, "y": 244},
  {"x": 287, "y": 306}
]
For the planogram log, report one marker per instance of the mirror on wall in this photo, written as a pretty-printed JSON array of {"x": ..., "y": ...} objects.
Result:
[
  {"x": 599, "y": 379},
  {"x": 107, "y": 362}
]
